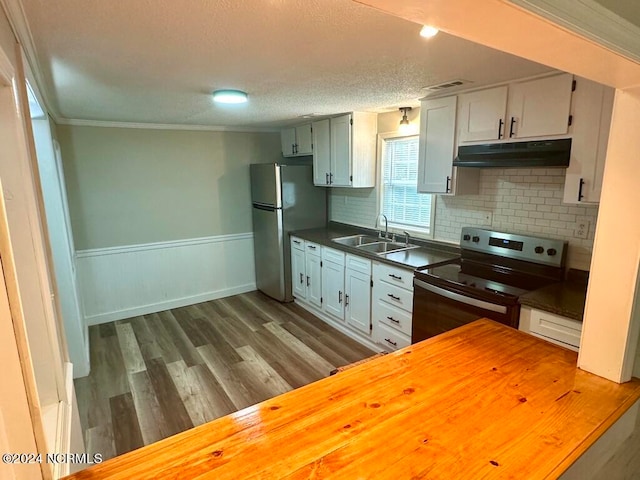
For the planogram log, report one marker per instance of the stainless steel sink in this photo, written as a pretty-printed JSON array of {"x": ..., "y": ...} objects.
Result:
[
  {"x": 356, "y": 240},
  {"x": 380, "y": 248}
]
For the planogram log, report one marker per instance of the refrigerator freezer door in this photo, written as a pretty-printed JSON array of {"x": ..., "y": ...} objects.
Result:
[
  {"x": 269, "y": 251},
  {"x": 265, "y": 184}
]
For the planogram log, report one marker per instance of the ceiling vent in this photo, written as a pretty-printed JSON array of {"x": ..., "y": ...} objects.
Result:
[{"x": 445, "y": 85}]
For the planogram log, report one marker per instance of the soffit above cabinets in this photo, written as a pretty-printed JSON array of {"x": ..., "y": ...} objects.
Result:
[{"x": 158, "y": 61}]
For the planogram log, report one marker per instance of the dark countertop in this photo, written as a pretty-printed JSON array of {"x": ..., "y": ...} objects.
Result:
[
  {"x": 566, "y": 298},
  {"x": 429, "y": 254}
]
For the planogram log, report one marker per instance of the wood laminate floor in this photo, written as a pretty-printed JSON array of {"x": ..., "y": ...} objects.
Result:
[{"x": 156, "y": 375}]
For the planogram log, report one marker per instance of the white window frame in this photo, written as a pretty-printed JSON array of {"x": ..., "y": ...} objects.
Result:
[{"x": 382, "y": 138}]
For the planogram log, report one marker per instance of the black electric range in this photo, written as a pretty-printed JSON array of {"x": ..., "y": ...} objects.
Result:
[{"x": 493, "y": 271}]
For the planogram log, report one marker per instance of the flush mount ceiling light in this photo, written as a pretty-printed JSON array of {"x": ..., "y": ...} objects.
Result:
[
  {"x": 428, "y": 31},
  {"x": 405, "y": 125},
  {"x": 229, "y": 96}
]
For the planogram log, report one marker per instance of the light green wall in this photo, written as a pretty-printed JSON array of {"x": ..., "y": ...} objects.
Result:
[{"x": 130, "y": 186}]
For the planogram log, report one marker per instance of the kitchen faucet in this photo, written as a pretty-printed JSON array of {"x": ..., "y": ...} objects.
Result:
[
  {"x": 386, "y": 227},
  {"x": 406, "y": 238}
]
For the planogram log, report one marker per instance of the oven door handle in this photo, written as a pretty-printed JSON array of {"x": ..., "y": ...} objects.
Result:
[{"x": 460, "y": 298}]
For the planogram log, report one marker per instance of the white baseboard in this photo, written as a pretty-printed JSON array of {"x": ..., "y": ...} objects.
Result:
[
  {"x": 123, "y": 282},
  {"x": 358, "y": 337}
]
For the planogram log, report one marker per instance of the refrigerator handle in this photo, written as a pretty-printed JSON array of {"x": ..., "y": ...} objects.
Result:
[{"x": 265, "y": 206}]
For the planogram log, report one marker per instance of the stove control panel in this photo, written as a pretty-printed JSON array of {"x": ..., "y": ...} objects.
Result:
[{"x": 547, "y": 251}]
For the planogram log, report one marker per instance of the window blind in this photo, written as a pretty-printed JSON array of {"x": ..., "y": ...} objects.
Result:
[{"x": 401, "y": 202}]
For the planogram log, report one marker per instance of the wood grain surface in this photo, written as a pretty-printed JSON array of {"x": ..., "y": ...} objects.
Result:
[
  {"x": 157, "y": 375},
  {"x": 481, "y": 401}
]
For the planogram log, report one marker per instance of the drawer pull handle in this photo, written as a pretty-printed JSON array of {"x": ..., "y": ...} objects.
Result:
[
  {"x": 301, "y": 278},
  {"x": 297, "y": 242},
  {"x": 393, "y": 319},
  {"x": 395, "y": 344},
  {"x": 346, "y": 300},
  {"x": 395, "y": 277},
  {"x": 311, "y": 247},
  {"x": 393, "y": 297},
  {"x": 339, "y": 296},
  {"x": 307, "y": 280}
]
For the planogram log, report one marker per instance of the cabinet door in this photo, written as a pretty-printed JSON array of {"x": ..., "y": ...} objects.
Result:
[
  {"x": 321, "y": 152},
  {"x": 358, "y": 300},
  {"x": 298, "y": 274},
  {"x": 437, "y": 140},
  {"x": 539, "y": 107},
  {"x": 340, "y": 174},
  {"x": 288, "y": 140},
  {"x": 482, "y": 114},
  {"x": 303, "y": 140},
  {"x": 592, "y": 108},
  {"x": 314, "y": 280},
  {"x": 333, "y": 289}
]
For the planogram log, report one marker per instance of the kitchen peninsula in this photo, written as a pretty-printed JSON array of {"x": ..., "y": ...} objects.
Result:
[{"x": 480, "y": 401}]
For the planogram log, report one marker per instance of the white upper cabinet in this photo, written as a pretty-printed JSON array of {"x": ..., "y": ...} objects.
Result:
[
  {"x": 534, "y": 108},
  {"x": 321, "y": 152},
  {"x": 591, "y": 112},
  {"x": 344, "y": 152},
  {"x": 297, "y": 141},
  {"x": 539, "y": 107},
  {"x": 437, "y": 150},
  {"x": 482, "y": 114},
  {"x": 341, "y": 151},
  {"x": 437, "y": 145}
]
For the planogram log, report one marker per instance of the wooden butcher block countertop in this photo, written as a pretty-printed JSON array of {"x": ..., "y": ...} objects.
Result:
[{"x": 481, "y": 401}]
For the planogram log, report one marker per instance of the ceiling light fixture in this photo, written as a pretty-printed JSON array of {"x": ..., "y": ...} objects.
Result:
[
  {"x": 229, "y": 96},
  {"x": 428, "y": 31},
  {"x": 405, "y": 127}
]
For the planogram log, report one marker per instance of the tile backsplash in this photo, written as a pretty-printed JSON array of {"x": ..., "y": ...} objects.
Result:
[{"x": 525, "y": 201}]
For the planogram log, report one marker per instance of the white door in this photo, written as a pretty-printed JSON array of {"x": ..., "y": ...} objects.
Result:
[
  {"x": 304, "y": 140},
  {"x": 333, "y": 289},
  {"x": 321, "y": 152},
  {"x": 437, "y": 145},
  {"x": 358, "y": 300},
  {"x": 539, "y": 107},
  {"x": 314, "y": 280},
  {"x": 298, "y": 277},
  {"x": 61, "y": 242},
  {"x": 340, "y": 175},
  {"x": 482, "y": 114}
]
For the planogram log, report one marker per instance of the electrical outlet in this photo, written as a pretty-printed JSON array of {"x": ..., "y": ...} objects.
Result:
[
  {"x": 582, "y": 229},
  {"x": 487, "y": 219}
]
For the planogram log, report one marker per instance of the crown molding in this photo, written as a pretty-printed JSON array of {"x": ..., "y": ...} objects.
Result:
[
  {"x": 591, "y": 20},
  {"x": 18, "y": 21},
  {"x": 163, "y": 126}
]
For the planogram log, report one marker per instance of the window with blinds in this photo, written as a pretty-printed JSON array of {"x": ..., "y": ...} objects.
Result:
[{"x": 400, "y": 201}]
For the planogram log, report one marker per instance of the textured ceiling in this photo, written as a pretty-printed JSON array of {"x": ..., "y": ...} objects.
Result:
[{"x": 156, "y": 61}]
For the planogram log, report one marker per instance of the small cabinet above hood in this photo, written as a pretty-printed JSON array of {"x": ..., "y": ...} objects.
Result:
[{"x": 541, "y": 153}]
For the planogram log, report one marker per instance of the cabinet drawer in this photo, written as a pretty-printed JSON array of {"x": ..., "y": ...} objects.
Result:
[
  {"x": 312, "y": 248},
  {"x": 392, "y": 316},
  {"x": 358, "y": 264},
  {"x": 565, "y": 330},
  {"x": 394, "y": 295},
  {"x": 393, "y": 275},
  {"x": 392, "y": 339},
  {"x": 297, "y": 243},
  {"x": 333, "y": 256}
]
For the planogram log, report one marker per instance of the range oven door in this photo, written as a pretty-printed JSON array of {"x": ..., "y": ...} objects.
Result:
[{"x": 437, "y": 309}]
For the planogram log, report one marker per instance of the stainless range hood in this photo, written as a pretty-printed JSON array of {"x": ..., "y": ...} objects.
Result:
[{"x": 541, "y": 153}]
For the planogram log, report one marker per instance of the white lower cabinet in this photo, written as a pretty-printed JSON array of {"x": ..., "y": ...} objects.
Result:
[
  {"x": 357, "y": 302},
  {"x": 333, "y": 282},
  {"x": 336, "y": 287},
  {"x": 553, "y": 328},
  {"x": 392, "y": 305}
]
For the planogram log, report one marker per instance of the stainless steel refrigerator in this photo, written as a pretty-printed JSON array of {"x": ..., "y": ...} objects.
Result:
[{"x": 284, "y": 199}]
